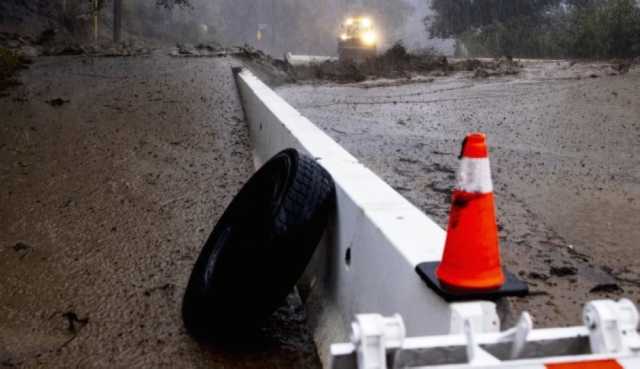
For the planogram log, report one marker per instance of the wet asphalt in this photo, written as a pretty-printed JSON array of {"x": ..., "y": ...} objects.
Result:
[
  {"x": 113, "y": 172},
  {"x": 565, "y": 151}
]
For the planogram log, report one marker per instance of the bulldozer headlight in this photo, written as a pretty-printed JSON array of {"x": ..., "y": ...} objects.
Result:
[
  {"x": 369, "y": 38},
  {"x": 344, "y": 37},
  {"x": 349, "y": 22},
  {"x": 365, "y": 22}
]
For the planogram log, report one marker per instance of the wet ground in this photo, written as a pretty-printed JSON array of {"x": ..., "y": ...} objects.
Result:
[
  {"x": 565, "y": 151},
  {"x": 113, "y": 171}
]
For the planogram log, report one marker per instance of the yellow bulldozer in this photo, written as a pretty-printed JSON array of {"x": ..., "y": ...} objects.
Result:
[{"x": 358, "y": 39}]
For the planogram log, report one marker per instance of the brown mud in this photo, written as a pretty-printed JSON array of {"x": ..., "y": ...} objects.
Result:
[{"x": 113, "y": 172}]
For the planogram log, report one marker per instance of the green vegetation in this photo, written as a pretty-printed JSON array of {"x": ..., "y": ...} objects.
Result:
[
  {"x": 540, "y": 28},
  {"x": 604, "y": 29}
]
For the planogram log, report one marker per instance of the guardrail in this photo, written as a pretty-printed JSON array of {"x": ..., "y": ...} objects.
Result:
[{"x": 301, "y": 60}]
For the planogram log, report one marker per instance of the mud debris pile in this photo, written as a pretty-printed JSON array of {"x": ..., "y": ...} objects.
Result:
[
  {"x": 273, "y": 72},
  {"x": 199, "y": 51},
  {"x": 395, "y": 63},
  {"x": 53, "y": 43}
]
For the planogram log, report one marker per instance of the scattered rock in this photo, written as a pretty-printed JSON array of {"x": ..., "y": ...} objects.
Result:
[
  {"x": 437, "y": 167},
  {"x": 621, "y": 66},
  {"x": 21, "y": 246},
  {"x": 498, "y": 67},
  {"x": 563, "y": 271},
  {"x": 74, "y": 323},
  {"x": 606, "y": 287},
  {"x": 481, "y": 73},
  {"x": 202, "y": 50},
  {"x": 408, "y": 160},
  {"x": 22, "y": 249},
  {"x": 168, "y": 287},
  {"x": 57, "y": 102},
  {"x": 442, "y": 188},
  {"x": 536, "y": 275}
]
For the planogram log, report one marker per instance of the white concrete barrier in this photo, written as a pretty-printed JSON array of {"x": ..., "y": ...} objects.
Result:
[
  {"x": 366, "y": 261},
  {"x": 301, "y": 60}
]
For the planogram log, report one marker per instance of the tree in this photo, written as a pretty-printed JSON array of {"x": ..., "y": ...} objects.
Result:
[
  {"x": 452, "y": 18},
  {"x": 540, "y": 28},
  {"x": 607, "y": 28}
]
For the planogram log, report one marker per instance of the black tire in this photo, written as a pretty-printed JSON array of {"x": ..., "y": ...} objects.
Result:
[{"x": 259, "y": 248}]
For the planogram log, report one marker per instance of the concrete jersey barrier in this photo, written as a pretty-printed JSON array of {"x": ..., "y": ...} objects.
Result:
[
  {"x": 367, "y": 257},
  {"x": 306, "y": 60}
]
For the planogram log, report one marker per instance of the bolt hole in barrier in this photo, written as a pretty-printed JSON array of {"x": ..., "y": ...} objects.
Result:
[
  {"x": 347, "y": 258},
  {"x": 259, "y": 248}
]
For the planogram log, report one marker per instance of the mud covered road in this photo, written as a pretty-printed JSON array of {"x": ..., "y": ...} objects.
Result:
[
  {"x": 113, "y": 172},
  {"x": 565, "y": 151}
]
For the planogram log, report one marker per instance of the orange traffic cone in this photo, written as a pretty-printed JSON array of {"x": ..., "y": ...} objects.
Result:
[
  {"x": 470, "y": 267},
  {"x": 471, "y": 257}
]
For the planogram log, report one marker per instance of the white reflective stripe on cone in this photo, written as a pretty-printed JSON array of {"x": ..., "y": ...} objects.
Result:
[{"x": 474, "y": 176}]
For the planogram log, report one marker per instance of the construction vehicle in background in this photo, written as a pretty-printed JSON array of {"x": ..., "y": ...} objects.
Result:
[{"x": 358, "y": 39}]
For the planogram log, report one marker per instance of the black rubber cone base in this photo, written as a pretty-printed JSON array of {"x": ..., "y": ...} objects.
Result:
[{"x": 512, "y": 286}]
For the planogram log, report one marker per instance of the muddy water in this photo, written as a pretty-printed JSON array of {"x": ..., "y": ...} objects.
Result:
[
  {"x": 106, "y": 197},
  {"x": 565, "y": 146}
]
